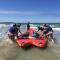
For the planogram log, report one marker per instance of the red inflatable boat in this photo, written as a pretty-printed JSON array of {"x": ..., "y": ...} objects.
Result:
[
  {"x": 29, "y": 41},
  {"x": 40, "y": 43},
  {"x": 24, "y": 42}
]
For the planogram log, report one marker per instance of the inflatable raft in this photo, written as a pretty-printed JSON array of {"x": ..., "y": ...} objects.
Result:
[{"x": 24, "y": 42}]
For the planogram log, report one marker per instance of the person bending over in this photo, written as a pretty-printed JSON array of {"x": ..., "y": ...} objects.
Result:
[
  {"x": 48, "y": 31},
  {"x": 13, "y": 32}
]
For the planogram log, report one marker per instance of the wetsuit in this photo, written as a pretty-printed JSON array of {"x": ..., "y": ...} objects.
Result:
[{"x": 28, "y": 26}]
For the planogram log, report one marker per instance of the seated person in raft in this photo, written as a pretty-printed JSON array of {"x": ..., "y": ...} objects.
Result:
[
  {"x": 39, "y": 33},
  {"x": 28, "y": 26},
  {"x": 24, "y": 35}
]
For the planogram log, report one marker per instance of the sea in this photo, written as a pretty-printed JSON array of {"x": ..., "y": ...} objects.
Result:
[{"x": 10, "y": 50}]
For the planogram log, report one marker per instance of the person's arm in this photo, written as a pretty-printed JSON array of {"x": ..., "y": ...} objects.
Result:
[
  {"x": 19, "y": 31},
  {"x": 52, "y": 30}
]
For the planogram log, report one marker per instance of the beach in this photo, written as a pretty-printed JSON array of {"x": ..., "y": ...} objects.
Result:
[{"x": 11, "y": 51}]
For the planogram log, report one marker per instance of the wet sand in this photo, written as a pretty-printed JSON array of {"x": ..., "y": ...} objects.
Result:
[{"x": 10, "y": 51}]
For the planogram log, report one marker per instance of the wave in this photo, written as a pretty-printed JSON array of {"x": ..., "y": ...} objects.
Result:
[
  {"x": 32, "y": 26},
  {"x": 56, "y": 29},
  {"x": 35, "y": 27},
  {"x": 3, "y": 25}
]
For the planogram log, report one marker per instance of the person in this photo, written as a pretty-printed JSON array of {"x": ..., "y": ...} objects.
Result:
[
  {"x": 18, "y": 28},
  {"x": 39, "y": 28},
  {"x": 25, "y": 35},
  {"x": 22, "y": 35},
  {"x": 39, "y": 33},
  {"x": 28, "y": 26},
  {"x": 13, "y": 31},
  {"x": 48, "y": 31}
]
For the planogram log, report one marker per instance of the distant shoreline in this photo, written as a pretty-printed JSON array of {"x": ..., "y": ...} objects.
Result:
[{"x": 26, "y": 23}]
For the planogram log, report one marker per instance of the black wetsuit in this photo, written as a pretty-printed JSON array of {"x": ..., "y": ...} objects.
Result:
[{"x": 28, "y": 26}]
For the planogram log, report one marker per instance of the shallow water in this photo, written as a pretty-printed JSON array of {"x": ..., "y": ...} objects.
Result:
[
  {"x": 10, "y": 51},
  {"x": 13, "y": 52}
]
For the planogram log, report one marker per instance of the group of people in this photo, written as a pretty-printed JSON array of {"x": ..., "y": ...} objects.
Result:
[
  {"x": 14, "y": 32},
  {"x": 45, "y": 30}
]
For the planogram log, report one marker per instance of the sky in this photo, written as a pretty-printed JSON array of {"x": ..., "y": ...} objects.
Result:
[{"x": 30, "y": 11}]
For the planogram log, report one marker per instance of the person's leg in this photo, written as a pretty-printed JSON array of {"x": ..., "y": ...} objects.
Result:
[
  {"x": 51, "y": 36},
  {"x": 11, "y": 36},
  {"x": 16, "y": 36}
]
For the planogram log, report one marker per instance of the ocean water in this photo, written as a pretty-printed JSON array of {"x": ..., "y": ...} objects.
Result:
[
  {"x": 10, "y": 51},
  {"x": 4, "y": 28}
]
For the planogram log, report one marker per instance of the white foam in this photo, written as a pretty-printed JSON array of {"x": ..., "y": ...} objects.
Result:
[
  {"x": 56, "y": 29},
  {"x": 11, "y": 25},
  {"x": 3, "y": 25},
  {"x": 33, "y": 26}
]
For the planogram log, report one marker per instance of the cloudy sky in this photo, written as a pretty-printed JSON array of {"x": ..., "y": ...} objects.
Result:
[{"x": 30, "y": 10}]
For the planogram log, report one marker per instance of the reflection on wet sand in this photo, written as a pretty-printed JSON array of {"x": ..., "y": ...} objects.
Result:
[{"x": 10, "y": 51}]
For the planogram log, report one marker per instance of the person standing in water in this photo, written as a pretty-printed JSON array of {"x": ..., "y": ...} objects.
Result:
[
  {"x": 13, "y": 32},
  {"x": 28, "y": 26},
  {"x": 18, "y": 28},
  {"x": 48, "y": 31}
]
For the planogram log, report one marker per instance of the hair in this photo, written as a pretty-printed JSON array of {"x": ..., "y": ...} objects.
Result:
[
  {"x": 45, "y": 25},
  {"x": 40, "y": 28},
  {"x": 14, "y": 25}
]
